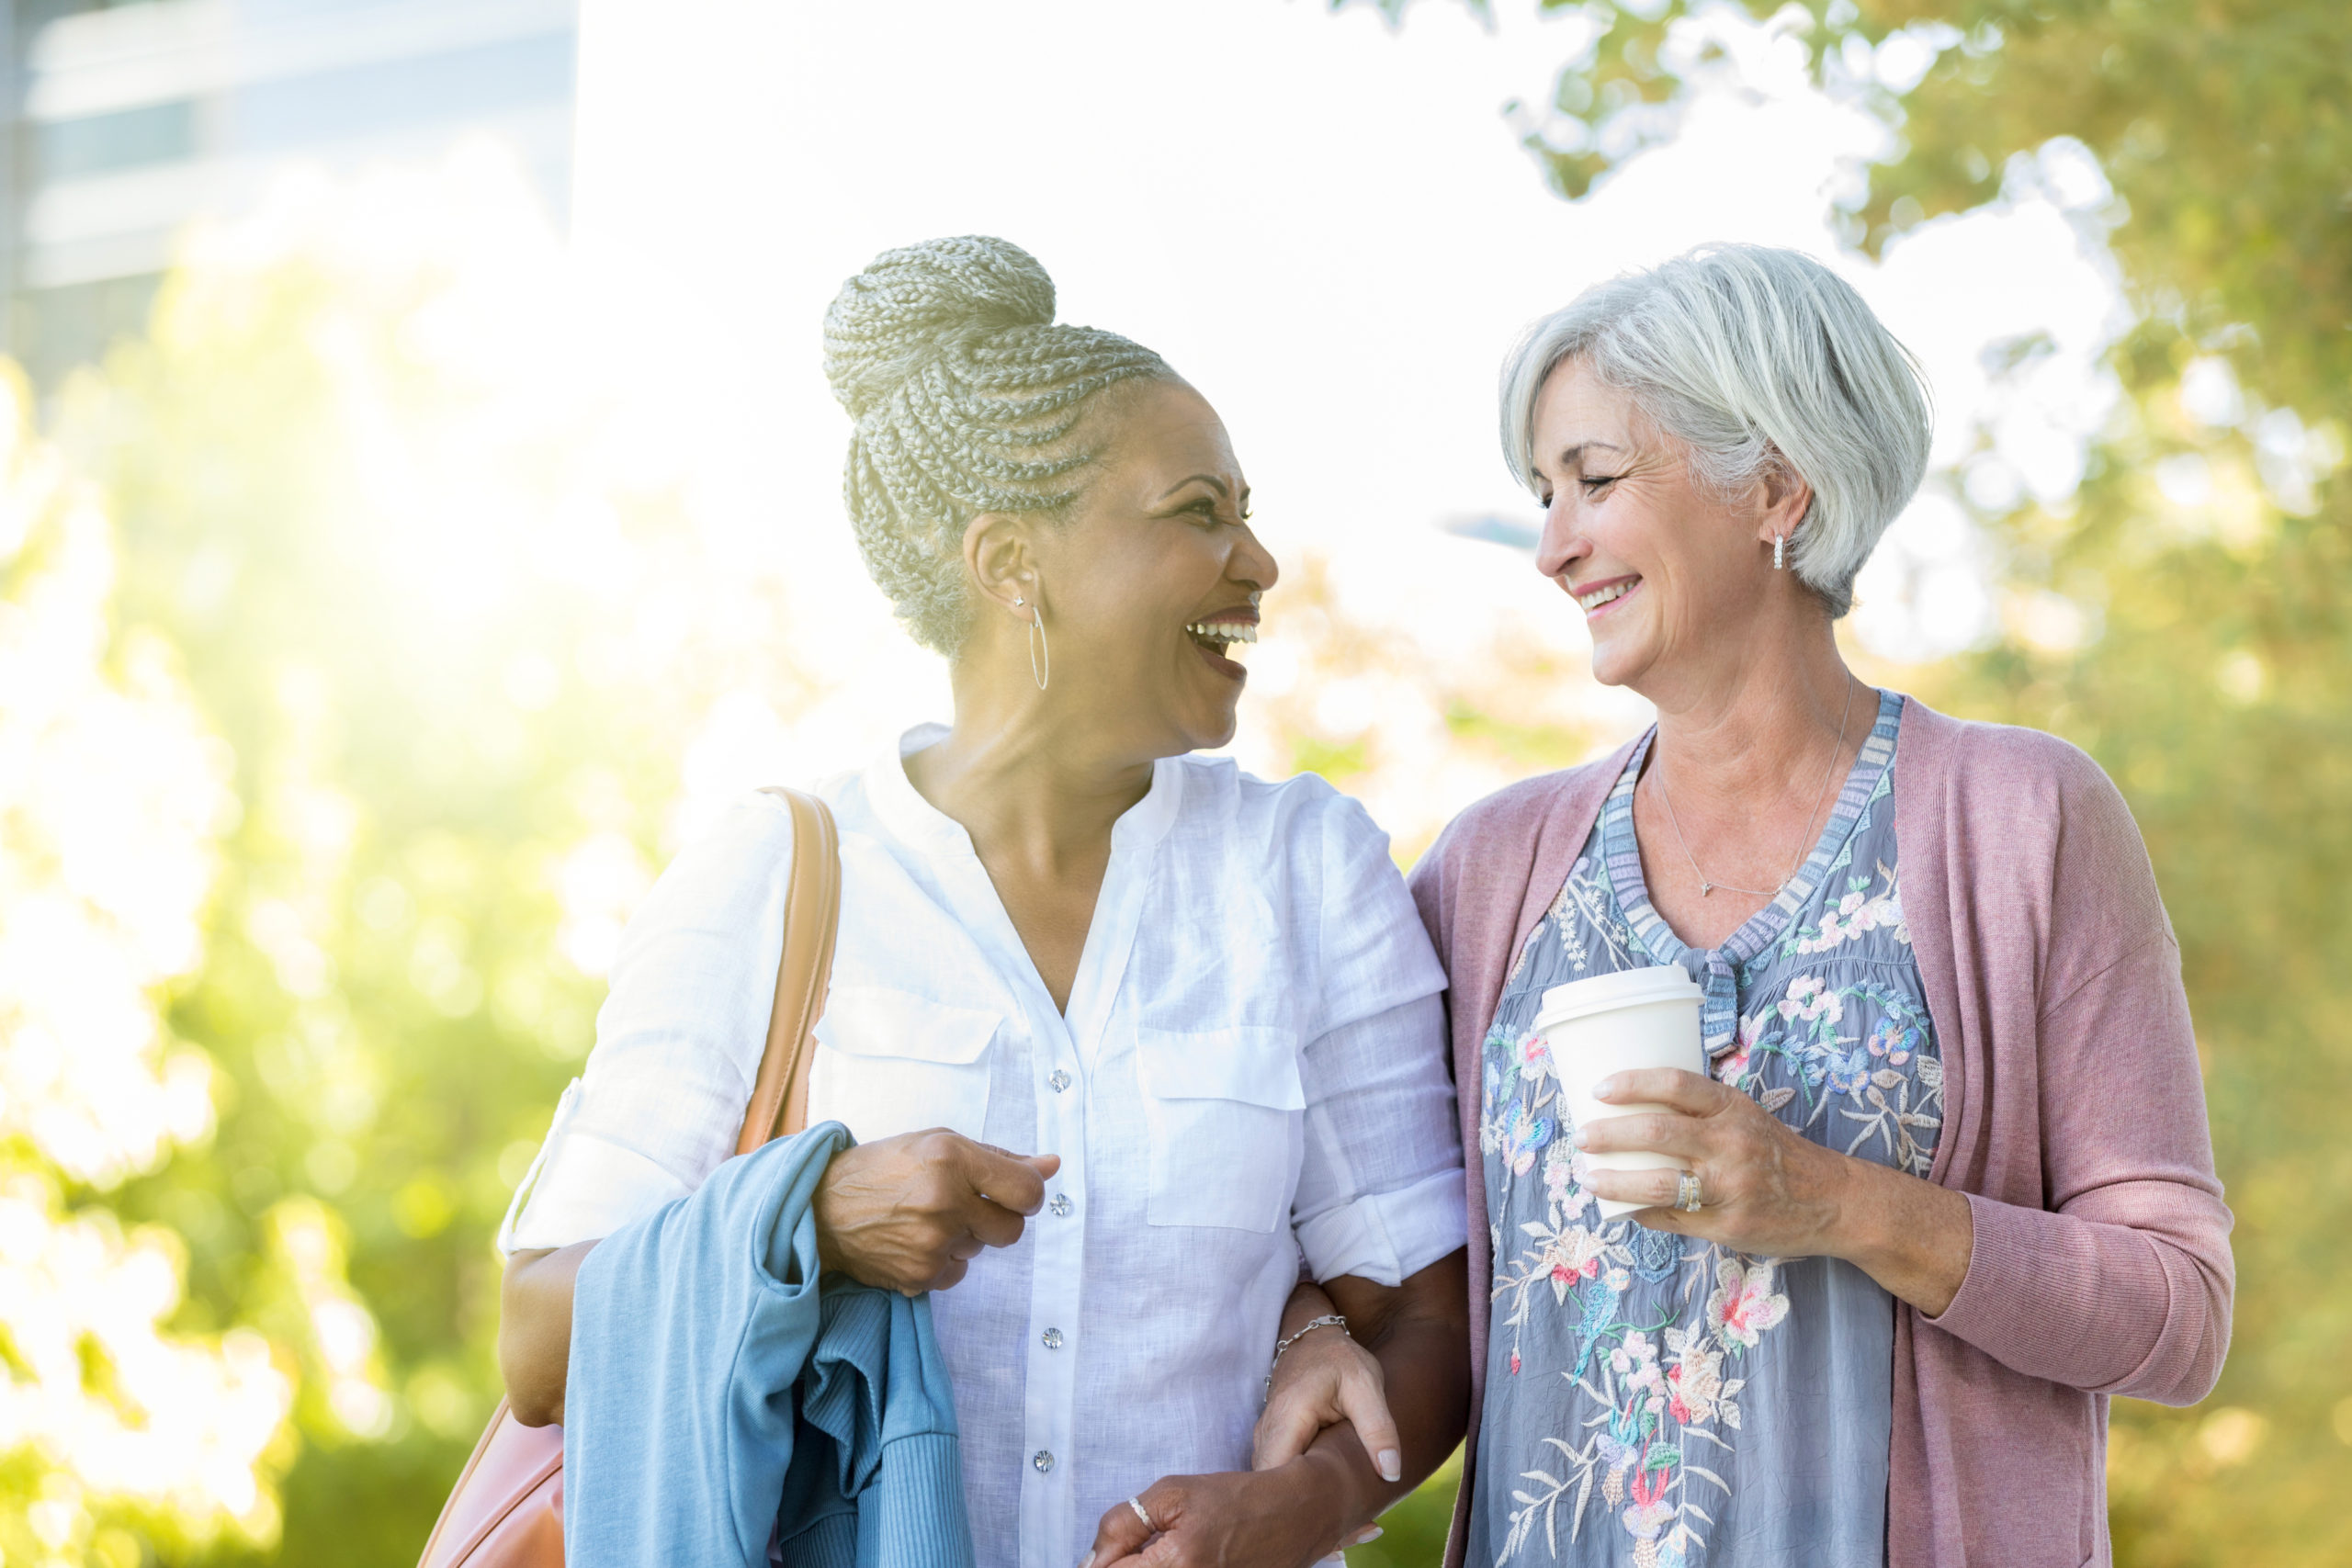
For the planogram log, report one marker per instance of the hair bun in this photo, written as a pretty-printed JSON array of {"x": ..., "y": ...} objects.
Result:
[{"x": 910, "y": 303}]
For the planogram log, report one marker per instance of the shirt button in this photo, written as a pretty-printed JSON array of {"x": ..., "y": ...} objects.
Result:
[
  {"x": 1059, "y": 1081},
  {"x": 1052, "y": 1337},
  {"x": 1042, "y": 1460},
  {"x": 1061, "y": 1205}
]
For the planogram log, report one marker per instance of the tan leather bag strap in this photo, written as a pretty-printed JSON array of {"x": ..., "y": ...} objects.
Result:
[
  {"x": 812, "y": 914},
  {"x": 506, "y": 1510}
]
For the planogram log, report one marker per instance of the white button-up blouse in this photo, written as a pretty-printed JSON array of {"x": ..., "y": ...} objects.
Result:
[{"x": 1252, "y": 1071}]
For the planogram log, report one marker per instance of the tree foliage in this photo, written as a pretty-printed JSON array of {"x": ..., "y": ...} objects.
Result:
[
  {"x": 445, "y": 635},
  {"x": 116, "y": 1423}
]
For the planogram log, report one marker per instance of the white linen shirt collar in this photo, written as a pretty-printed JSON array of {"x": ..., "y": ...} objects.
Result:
[{"x": 897, "y": 806}]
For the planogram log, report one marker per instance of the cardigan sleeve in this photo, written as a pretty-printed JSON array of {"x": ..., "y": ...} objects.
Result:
[
  {"x": 1431, "y": 885},
  {"x": 2121, "y": 1280}
]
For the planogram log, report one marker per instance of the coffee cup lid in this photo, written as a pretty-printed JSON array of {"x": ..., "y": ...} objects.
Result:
[{"x": 1627, "y": 988}]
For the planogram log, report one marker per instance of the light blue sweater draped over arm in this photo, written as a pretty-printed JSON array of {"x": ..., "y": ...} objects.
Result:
[{"x": 721, "y": 1391}]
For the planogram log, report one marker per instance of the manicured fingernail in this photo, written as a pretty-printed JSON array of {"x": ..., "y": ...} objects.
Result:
[
  {"x": 1391, "y": 1467},
  {"x": 1373, "y": 1533},
  {"x": 1088, "y": 1563},
  {"x": 1605, "y": 1089},
  {"x": 1576, "y": 1138}
]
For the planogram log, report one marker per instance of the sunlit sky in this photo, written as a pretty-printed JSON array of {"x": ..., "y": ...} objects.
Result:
[{"x": 1324, "y": 223}]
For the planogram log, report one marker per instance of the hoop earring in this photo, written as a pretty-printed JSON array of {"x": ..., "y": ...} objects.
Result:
[
  {"x": 1041, "y": 652},
  {"x": 1779, "y": 540}
]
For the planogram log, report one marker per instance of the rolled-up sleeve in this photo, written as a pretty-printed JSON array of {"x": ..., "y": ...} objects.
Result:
[
  {"x": 1380, "y": 1184},
  {"x": 678, "y": 1040},
  {"x": 1380, "y": 1188}
]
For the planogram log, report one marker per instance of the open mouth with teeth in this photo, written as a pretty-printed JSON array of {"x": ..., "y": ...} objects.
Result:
[
  {"x": 1596, "y": 599},
  {"x": 1214, "y": 637}
]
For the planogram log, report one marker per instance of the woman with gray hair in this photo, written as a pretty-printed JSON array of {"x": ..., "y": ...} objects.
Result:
[
  {"x": 1202, "y": 1001},
  {"x": 1946, "y": 1185}
]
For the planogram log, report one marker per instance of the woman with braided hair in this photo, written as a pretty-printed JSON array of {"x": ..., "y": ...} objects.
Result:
[{"x": 1203, "y": 1003}]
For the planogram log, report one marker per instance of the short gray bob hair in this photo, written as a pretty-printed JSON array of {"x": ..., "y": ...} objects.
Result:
[{"x": 1748, "y": 357}]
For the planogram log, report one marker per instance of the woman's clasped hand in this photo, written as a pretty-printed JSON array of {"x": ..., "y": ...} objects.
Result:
[
  {"x": 1327, "y": 1454},
  {"x": 910, "y": 1213},
  {"x": 1285, "y": 1518}
]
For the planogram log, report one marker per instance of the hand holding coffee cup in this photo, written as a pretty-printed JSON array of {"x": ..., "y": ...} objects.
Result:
[
  {"x": 1634, "y": 1084},
  {"x": 1599, "y": 1029},
  {"x": 1765, "y": 1190}
]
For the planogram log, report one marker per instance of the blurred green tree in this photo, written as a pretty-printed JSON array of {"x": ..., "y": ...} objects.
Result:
[
  {"x": 117, "y": 1423},
  {"x": 457, "y": 647},
  {"x": 2185, "y": 616}
]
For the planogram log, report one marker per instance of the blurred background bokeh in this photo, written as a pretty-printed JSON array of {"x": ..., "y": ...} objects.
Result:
[{"x": 417, "y": 516}]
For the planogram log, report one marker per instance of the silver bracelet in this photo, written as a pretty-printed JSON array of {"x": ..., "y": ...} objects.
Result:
[{"x": 1332, "y": 1321}]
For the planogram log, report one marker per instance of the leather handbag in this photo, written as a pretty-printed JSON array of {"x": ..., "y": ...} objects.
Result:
[{"x": 506, "y": 1510}]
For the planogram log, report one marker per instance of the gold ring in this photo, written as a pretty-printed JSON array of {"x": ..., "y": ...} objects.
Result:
[{"x": 1686, "y": 1191}]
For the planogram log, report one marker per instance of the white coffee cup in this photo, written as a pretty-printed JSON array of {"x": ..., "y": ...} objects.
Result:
[{"x": 1610, "y": 1023}]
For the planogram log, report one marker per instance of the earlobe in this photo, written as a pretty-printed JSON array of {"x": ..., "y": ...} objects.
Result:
[
  {"x": 1788, "y": 503},
  {"x": 1789, "y": 497},
  {"x": 997, "y": 554}
]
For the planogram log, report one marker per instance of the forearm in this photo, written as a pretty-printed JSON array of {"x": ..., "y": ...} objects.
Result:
[
  {"x": 1911, "y": 1235},
  {"x": 1429, "y": 1393},
  {"x": 535, "y": 1330},
  {"x": 1420, "y": 1336}
]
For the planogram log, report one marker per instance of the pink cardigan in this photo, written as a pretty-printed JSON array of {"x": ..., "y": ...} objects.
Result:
[{"x": 2074, "y": 1119}]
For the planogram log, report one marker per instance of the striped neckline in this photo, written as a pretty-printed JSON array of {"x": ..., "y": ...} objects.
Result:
[{"x": 1715, "y": 968}]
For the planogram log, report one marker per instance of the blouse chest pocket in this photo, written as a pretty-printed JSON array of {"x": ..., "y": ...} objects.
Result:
[
  {"x": 891, "y": 1062},
  {"x": 1225, "y": 1112}
]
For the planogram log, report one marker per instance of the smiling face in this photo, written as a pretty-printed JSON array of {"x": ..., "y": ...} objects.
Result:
[
  {"x": 1668, "y": 573},
  {"x": 1155, "y": 576}
]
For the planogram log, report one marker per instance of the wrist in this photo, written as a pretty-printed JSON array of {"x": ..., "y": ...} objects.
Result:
[
  {"x": 822, "y": 1215},
  {"x": 1854, "y": 1230},
  {"x": 1332, "y": 1487},
  {"x": 1307, "y": 1304}
]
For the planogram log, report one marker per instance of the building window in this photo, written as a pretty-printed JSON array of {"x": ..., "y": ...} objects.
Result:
[{"x": 125, "y": 139}]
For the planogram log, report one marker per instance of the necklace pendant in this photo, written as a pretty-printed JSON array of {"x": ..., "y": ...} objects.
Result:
[{"x": 1705, "y": 887}]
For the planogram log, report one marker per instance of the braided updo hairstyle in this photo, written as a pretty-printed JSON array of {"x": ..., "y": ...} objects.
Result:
[{"x": 967, "y": 397}]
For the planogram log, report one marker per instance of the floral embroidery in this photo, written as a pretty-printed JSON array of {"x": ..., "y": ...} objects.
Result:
[
  {"x": 1699, "y": 1392},
  {"x": 1810, "y": 1001},
  {"x": 1523, "y": 1135},
  {"x": 1559, "y": 1177},
  {"x": 1744, "y": 1305},
  {"x": 1586, "y": 893},
  {"x": 1650, "y": 1512},
  {"x": 1898, "y": 1108},
  {"x": 1855, "y": 915},
  {"x": 1894, "y": 1040},
  {"x": 1730, "y": 1068},
  {"x": 1534, "y": 1056},
  {"x": 1658, "y": 1342}
]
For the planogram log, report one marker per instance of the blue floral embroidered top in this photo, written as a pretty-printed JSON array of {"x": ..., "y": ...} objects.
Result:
[{"x": 1657, "y": 1400}]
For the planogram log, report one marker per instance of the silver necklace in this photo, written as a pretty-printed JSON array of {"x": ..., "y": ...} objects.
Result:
[{"x": 1804, "y": 842}]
